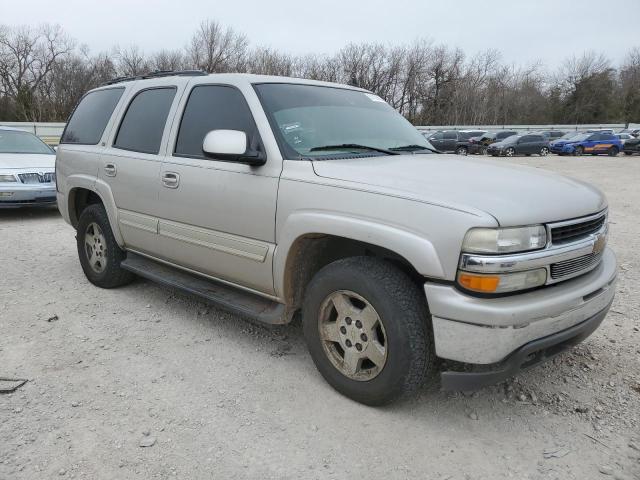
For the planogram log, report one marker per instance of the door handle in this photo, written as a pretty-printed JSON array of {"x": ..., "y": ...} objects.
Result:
[
  {"x": 170, "y": 179},
  {"x": 110, "y": 170}
]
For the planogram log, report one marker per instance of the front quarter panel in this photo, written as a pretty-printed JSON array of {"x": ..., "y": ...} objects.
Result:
[{"x": 426, "y": 235}]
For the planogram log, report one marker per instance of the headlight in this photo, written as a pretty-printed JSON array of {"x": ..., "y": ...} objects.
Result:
[
  {"x": 7, "y": 178},
  {"x": 502, "y": 283},
  {"x": 504, "y": 240}
]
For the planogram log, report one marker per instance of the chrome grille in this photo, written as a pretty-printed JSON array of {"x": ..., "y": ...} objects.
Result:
[
  {"x": 31, "y": 178},
  {"x": 576, "y": 231},
  {"x": 579, "y": 265}
]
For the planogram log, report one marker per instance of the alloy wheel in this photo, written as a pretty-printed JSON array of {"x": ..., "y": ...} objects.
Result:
[
  {"x": 95, "y": 245},
  {"x": 353, "y": 336}
]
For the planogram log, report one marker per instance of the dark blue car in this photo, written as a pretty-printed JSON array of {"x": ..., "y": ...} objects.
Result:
[{"x": 594, "y": 143}]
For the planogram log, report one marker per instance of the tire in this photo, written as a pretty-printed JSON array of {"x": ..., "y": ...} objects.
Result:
[
  {"x": 461, "y": 151},
  {"x": 578, "y": 151},
  {"x": 544, "y": 151},
  {"x": 628, "y": 153},
  {"x": 483, "y": 151},
  {"x": 99, "y": 254},
  {"x": 397, "y": 306},
  {"x": 613, "y": 151},
  {"x": 510, "y": 152}
]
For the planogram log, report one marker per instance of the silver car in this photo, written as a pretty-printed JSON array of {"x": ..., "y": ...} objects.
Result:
[{"x": 27, "y": 170}]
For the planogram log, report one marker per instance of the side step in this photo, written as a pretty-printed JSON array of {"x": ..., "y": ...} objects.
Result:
[{"x": 229, "y": 298}]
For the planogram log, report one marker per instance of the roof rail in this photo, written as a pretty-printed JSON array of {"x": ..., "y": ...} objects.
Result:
[{"x": 156, "y": 74}]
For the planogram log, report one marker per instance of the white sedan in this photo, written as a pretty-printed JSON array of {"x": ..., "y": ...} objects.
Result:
[{"x": 27, "y": 170}]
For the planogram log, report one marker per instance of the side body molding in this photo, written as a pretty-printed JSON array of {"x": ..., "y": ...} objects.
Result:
[{"x": 417, "y": 250}]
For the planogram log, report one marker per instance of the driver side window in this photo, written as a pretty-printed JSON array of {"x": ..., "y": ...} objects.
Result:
[{"x": 213, "y": 107}]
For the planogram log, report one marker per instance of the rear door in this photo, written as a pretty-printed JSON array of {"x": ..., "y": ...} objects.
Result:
[
  {"x": 132, "y": 160},
  {"x": 437, "y": 140},
  {"x": 449, "y": 140},
  {"x": 217, "y": 216}
]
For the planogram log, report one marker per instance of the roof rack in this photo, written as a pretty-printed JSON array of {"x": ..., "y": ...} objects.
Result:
[{"x": 156, "y": 74}]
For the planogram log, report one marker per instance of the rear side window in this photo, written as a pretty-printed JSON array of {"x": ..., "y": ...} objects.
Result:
[
  {"x": 143, "y": 123},
  {"x": 537, "y": 138},
  {"x": 450, "y": 135},
  {"x": 212, "y": 107},
  {"x": 89, "y": 119},
  {"x": 607, "y": 136}
]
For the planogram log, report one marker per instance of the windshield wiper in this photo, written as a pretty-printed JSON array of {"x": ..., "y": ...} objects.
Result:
[
  {"x": 346, "y": 146},
  {"x": 413, "y": 148}
]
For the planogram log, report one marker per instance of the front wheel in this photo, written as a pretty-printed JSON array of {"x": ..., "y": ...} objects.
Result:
[
  {"x": 544, "y": 151},
  {"x": 613, "y": 151},
  {"x": 99, "y": 254},
  {"x": 483, "y": 151},
  {"x": 367, "y": 327},
  {"x": 510, "y": 152},
  {"x": 628, "y": 153},
  {"x": 578, "y": 151}
]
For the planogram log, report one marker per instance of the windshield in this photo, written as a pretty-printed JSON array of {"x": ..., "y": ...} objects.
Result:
[
  {"x": 13, "y": 141},
  {"x": 580, "y": 137},
  {"x": 511, "y": 139},
  {"x": 326, "y": 122}
]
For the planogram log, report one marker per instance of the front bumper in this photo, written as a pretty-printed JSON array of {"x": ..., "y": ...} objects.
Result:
[
  {"x": 484, "y": 331},
  {"x": 526, "y": 356},
  {"x": 15, "y": 195}
]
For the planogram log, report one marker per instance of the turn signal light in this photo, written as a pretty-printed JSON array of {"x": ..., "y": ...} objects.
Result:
[{"x": 479, "y": 283}]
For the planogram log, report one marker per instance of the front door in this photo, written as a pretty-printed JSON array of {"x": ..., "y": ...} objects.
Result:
[{"x": 218, "y": 217}]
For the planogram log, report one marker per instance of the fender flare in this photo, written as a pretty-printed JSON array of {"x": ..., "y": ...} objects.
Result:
[
  {"x": 416, "y": 249},
  {"x": 102, "y": 189}
]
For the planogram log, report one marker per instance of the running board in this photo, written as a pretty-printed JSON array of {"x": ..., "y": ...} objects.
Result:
[{"x": 232, "y": 299}]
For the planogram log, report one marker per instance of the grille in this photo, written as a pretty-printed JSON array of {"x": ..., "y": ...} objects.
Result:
[
  {"x": 576, "y": 231},
  {"x": 575, "y": 265},
  {"x": 48, "y": 177}
]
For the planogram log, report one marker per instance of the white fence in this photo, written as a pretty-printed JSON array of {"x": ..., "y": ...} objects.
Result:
[
  {"x": 50, "y": 132},
  {"x": 565, "y": 128}
]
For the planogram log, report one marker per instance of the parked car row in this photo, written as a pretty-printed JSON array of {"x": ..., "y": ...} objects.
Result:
[{"x": 509, "y": 142}]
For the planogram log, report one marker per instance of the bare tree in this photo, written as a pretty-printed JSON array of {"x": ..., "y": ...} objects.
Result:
[
  {"x": 27, "y": 58},
  {"x": 214, "y": 48},
  {"x": 130, "y": 61}
]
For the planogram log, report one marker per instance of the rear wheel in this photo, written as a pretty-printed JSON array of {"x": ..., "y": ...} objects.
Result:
[
  {"x": 366, "y": 325},
  {"x": 578, "y": 151},
  {"x": 99, "y": 254},
  {"x": 483, "y": 151},
  {"x": 613, "y": 151},
  {"x": 544, "y": 151},
  {"x": 628, "y": 153},
  {"x": 461, "y": 150}
]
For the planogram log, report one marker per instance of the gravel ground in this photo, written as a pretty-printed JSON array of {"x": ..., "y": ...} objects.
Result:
[{"x": 143, "y": 382}]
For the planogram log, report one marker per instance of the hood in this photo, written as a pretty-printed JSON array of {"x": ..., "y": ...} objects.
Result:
[
  {"x": 513, "y": 194},
  {"x": 27, "y": 161}
]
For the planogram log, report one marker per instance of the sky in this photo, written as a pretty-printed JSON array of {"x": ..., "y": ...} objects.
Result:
[{"x": 523, "y": 31}]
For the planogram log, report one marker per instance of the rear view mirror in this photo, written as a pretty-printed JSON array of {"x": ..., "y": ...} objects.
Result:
[{"x": 231, "y": 145}]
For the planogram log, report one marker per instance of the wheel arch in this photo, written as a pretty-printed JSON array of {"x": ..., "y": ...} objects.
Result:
[
  {"x": 311, "y": 241},
  {"x": 82, "y": 195}
]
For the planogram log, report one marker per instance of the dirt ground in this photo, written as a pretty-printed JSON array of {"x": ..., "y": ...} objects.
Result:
[{"x": 215, "y": 397}]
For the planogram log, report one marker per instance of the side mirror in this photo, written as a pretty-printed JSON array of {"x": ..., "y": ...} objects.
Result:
[{"x": 231, "y": 145}]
